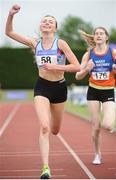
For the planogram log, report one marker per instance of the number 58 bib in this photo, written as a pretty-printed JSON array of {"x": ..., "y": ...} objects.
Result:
[{"x": 42, "y": 59}]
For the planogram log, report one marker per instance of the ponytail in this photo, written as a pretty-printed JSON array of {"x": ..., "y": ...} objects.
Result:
[{"x": 88, "y": 38}]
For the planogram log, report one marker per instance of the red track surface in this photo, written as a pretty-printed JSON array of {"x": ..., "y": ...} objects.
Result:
[{"x": 71, "y": 151}]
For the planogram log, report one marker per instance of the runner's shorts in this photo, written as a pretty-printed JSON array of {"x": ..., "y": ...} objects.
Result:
[
  {"x": 55, "y": 91},
  {"x": 101, "y": 95}
]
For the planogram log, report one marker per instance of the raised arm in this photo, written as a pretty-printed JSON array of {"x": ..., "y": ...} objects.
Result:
[
  {"x": 86, "y": 67},
  {"x": 9, "y": 28}
]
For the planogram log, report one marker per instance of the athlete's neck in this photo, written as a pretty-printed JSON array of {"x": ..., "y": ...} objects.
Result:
[
  {"x": 101, "y": 48},
  {"x": 47, "y": 36},
  {"x": 47, "y": 40}
]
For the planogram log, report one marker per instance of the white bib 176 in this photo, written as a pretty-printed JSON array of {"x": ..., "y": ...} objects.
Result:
[{"x": 100, "y": 75}]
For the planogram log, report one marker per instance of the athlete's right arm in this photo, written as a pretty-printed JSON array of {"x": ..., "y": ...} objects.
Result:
[
  {"x": 86, "y": 67},
  {"x": 9, "y": 28}
]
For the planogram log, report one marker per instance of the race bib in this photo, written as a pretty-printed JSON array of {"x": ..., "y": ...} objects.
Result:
[
  {"x": 100, "y": 75},
  {"x": 40, "y": 60}
]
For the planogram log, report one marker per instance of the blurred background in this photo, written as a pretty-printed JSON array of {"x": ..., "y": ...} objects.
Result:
[{"x": 18, "y": 72}]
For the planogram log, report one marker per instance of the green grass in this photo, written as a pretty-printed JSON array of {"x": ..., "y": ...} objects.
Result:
[{"x": 77, "y": 109}]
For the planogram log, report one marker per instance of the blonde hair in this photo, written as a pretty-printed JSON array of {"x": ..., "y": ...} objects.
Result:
[{"x": 90, "y": 38}]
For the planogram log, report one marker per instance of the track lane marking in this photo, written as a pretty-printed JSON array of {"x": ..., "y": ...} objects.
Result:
[
  {"x": 26, "y": 170},
  {"x": 6, "y": 153},
  {"x": 76, "y": 157},
  {"x": 61, "y": 176},
  {"x": 8, "y": 119}
]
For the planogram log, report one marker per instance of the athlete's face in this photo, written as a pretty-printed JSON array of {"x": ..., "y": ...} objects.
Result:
[
  {"x": 100, "y": 36},
  {"x": 48, "y": 24}
]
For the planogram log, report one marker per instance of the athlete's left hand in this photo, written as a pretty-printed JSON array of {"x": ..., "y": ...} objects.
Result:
[
  {"x": 48, "y": 66},
  {"x": 90, "y": 65}
]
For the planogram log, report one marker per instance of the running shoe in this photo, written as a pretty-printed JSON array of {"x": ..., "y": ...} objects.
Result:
[
  {"x": 45, "y": 172},
  {"x": 113, "y": 130},
  {"x": 97, "y": 160}
]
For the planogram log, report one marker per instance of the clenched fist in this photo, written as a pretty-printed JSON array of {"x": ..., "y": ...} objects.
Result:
[{"x": 15, "y": 9}]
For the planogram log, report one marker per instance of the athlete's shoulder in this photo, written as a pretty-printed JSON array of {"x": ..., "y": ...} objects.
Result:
[
  {"x": 62, "y": 44},
  {"x": 61, "y": 41},
  {"x": 87, "y": 55},
  {"x": 113, "y": 50},
  {"x": 34, "y": 42}
]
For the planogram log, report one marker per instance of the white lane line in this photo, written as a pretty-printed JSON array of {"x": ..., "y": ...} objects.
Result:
[
  {"x": 112, "y": 168},
  {"x": 76, "y": 157},
  {"x": 26, "y": 170},
  {"x": 61, "y": 176},
  {"x": 8, "y": 119},
  {"x": 33, "y": 155},
  {"x": 5, "y": 153}
]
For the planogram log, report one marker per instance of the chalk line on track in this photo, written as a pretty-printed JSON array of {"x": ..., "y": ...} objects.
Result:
[
  {"x": 8, "y": 119},
  {"x": 76, "y": 157}
]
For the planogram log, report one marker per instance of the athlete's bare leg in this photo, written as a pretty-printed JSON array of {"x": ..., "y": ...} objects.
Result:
[
  {"x": 109, "y": 114},
  {"x": 94, "y": 107},
  {"x": 42, "y": 106},
  {"x": 57, "y": 111}
]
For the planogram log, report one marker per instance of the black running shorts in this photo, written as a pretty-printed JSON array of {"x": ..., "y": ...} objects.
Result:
[
  {"x": 94, "y": 94},
  {"x": 55, "y": 91}
]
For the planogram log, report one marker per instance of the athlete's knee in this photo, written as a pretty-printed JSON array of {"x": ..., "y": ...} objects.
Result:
[
  {"x": 55, "y": 132},
  {"x": 108, "y": 125},
  {"x": 96, "y": 126},
  {"x": 45, "y": 129},
  {"x": 96, "y": 132}
]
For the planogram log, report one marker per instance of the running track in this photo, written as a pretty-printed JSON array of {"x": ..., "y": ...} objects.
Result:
[{"x": 71, "y": 151}]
